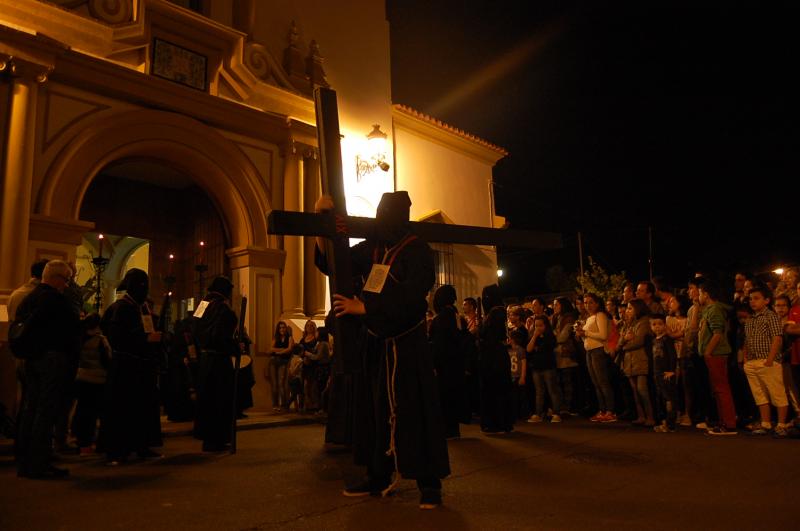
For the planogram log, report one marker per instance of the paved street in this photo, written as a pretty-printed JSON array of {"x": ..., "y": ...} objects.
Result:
[{"x": 575, "y": 475}]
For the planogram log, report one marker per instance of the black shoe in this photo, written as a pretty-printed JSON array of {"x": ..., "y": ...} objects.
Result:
[
  {"x": 50, "y": 473},
  {"x": 366, "y": 487},
  {"x": 430, "y": 498}
]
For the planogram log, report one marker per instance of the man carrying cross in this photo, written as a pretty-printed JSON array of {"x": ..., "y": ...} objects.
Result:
[{"x": 399, "y": 428}]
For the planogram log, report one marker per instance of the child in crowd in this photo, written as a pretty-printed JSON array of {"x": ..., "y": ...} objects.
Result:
[
  {"x": 677, "y": 321},
  {"x": 762, "y": 365},
  {"x": 322, "y": 357},
  {"x": 295, "y": 376},
  {"x": 519, "y": 370},
  {"x": 782, "y": 305},
  {"x": 714, "y": 347},
  {"x": 542, "y": 359},
  {"x": 90, "y": 383},
  {"x": 635, "y": 361},
  {"x": 664, "y": 369}
]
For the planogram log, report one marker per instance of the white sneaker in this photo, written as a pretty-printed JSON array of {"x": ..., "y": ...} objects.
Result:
[
  {"x": 534, "y": 419},
  {"x": 701, "y": 426},
  {"x": 555, "y": 418}
]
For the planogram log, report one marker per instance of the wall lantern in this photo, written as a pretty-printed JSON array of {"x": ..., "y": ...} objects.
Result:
[{"x": 375, "y": 154}]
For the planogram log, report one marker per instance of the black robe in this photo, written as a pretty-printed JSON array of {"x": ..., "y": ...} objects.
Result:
[
  {"x": 213, "y": 338},
  {"x": 446, "y": 339},
  {"x": 497, "y": 405},
  {"x": 131, "y": 420},
  {"x": 245, "y": 381},
  {"x": 398, "y": 312},
  {"x": 178, "y": 403}
]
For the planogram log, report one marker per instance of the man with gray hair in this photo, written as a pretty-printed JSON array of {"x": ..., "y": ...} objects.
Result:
[
  {"x": 56, "y": 325},
  {"x": 19, "y": 294}
]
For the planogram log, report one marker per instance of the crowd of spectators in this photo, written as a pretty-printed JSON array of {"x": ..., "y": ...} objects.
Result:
[
  {"x": 299, "y": 371},
  {"x": 703, "y": 356}
]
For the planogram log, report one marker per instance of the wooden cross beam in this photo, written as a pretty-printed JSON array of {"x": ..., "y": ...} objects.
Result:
[
  {"x": 338, "y": 227},
  {"x": 325, "y": 225}
]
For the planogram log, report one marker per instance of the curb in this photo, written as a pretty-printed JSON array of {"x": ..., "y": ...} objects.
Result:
[
  {"x": 7, "y": 445},
  {"x": 257, "y": 425}
]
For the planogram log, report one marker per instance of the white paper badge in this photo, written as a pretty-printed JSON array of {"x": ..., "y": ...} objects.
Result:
[
  {"x": 377, "y": 278},
  {"x": 201, "y": 309},
  {"x": 147, "y": 323}
]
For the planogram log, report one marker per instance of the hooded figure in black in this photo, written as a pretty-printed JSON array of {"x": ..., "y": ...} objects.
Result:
[
  {"x": 448, "y": 334},
  {"x": 398, "y": 426},
  {"x": 213, "y": 328},
  {"x": 131, "y": 421},
  {"x": 497, "y": 406}
]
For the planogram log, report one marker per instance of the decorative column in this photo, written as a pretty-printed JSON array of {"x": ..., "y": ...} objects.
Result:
[
  {"x": 20, "y": 81},
  {"x": 314, "y": 281},
  {"x": 255, "y": 273},
  {"x": 19, "y": 78},
  {"x": 292, "y": 284}
]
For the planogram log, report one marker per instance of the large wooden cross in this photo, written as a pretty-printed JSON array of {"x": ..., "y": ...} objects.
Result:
[{"x": 338, "y": 227}]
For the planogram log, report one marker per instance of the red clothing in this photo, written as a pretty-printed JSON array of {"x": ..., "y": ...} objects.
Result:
[
  {"x": 718, "y": 377},
  {"x": 794, "y": 317}
]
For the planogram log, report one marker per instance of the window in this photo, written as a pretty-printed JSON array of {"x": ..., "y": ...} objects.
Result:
[{"x": 443, "y": 264}]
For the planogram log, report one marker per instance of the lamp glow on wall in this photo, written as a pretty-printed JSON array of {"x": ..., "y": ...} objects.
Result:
[{"x": 374, "y": 155}]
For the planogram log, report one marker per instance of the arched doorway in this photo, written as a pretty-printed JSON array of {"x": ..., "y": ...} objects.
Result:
[
  {"x": 177, "y": 157},
  {"x": 189, "y": 147},
  {"x": 142, "y": 204}
]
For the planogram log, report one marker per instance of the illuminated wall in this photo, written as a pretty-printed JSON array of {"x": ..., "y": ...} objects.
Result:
[
  {"x": 447, "y": 174},
  {"x": 354, "y": 40}
]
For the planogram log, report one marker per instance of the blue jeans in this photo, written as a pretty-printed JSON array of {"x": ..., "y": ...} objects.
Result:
[
  {"x": 540, "y": 380},
  {"x": 597, "y": 363}
]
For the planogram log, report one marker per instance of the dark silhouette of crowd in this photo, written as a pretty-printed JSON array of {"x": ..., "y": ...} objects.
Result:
[{"x": 105, "y": 379}]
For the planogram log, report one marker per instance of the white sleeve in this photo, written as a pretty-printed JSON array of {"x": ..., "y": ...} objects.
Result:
[{"x": 602, "y": 325}]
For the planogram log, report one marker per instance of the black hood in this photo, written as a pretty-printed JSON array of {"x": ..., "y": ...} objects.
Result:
[
  {"x": 392, "y": 216},
  {"x": 444, "y": 296},
  {"x": 136, "y": 284},
  {"x": 221, "y": 285}
]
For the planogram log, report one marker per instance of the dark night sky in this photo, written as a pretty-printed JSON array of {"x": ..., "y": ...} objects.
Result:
[{"x": 619, "y": 116}]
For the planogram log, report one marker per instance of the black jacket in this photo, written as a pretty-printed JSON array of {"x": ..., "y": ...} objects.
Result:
[{"x": 55, "y": 323}]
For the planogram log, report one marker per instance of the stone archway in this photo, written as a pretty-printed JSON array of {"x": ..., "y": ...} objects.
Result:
[{"x": 217, "y": 165}]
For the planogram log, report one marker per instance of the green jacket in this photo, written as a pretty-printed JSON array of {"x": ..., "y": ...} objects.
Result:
[{"x": 713, "y": 319}]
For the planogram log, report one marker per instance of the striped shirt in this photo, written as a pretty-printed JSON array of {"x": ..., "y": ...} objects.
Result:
[{"x": 759, "y": 332}]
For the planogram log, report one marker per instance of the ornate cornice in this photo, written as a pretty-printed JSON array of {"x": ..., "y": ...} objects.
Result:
[{"x": 121, "y": 33}]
